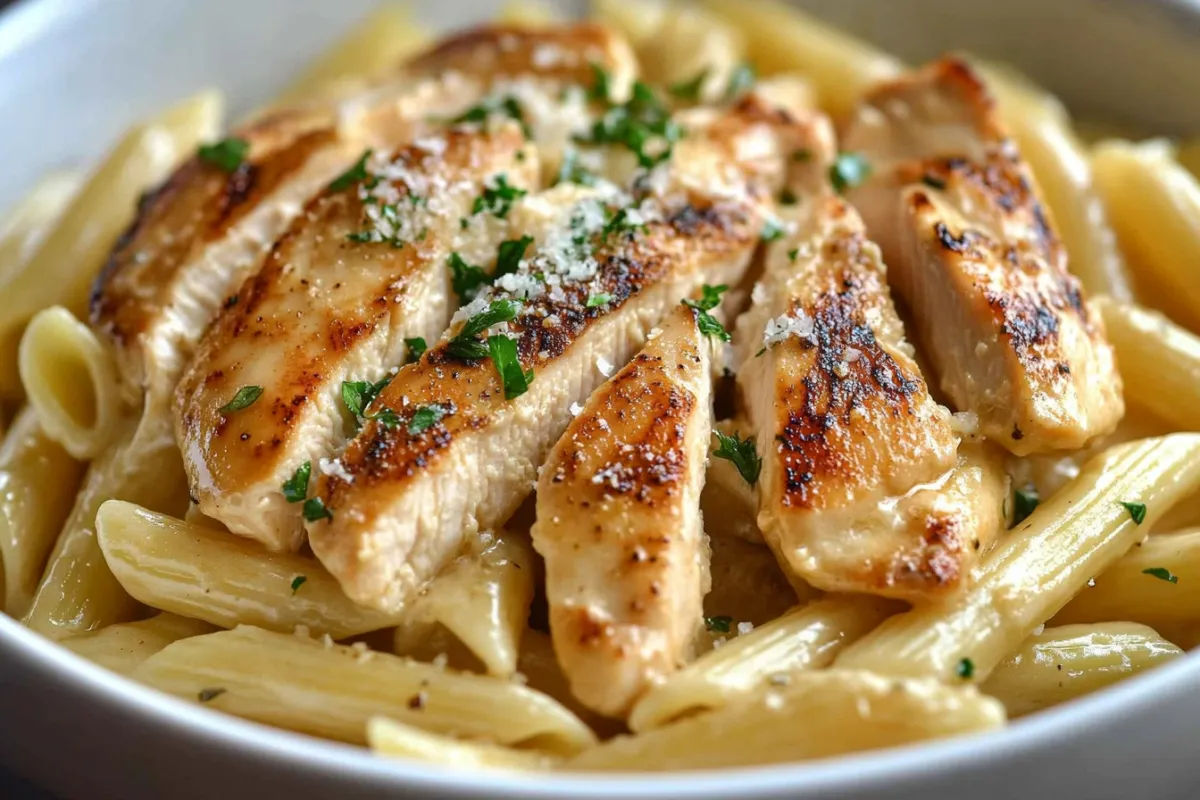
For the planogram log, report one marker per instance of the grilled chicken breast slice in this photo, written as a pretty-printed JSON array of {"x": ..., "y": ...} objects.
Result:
[
  {"x": 360, "y": 271},
  {"x": 618, "y": 521},
  {"x": 845, "y": 424},
  {"x": 974, "y": 254},
  {"x": 409, "y": 494}
]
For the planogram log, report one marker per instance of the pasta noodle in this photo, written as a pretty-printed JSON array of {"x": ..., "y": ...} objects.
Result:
[
  {"x": 124, "y": 647},
  {"x": 527, "y": 12},
  {"x": 62, "y": 269},
  {"x": 1086, "y": 526},
  {"x": 637, "y": 20},
  {"x": 23, "y": 227},
  {"x": 37, "y": 481},
  {"x": 222, "y": 579},
  {"x": 331, "y": 690},
  {"x": 70, "y": 381},
  {"x": 692, "y": 44},
  {"x": 843, "y": 711},
  {"x": 390, "y": 738},
  {"x": 1061, "y": 664}
]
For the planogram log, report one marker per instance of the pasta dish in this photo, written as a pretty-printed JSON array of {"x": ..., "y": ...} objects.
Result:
[{"x": 691, "y": 386}]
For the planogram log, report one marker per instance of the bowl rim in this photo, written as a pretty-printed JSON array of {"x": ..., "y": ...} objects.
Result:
[{"x": 882, "y": 770}]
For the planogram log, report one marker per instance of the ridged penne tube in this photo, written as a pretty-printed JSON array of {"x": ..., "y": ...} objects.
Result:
[
  {"x": 781, "y": 38},
  {"x": 390, "y": 738},
  {"x": 224, "y": 579},
  {"x": 636, "y": 20},
  {"x": 808, "y": 637},
  {"x": 818, "y": 714},
  {"x": 330, "y": 690},
  {"x": 23, "y": 226},
  {"x": 379, "y": 43},
  {"x": 70, "y": 381},
  {"x": 38, "y": 479},
  {"x": 1158, "y": 582},
  {"x": 1159, "y": 360},
  {"x": 123, "y": 647},
  {"x": 527, "y": 13},
  {"x": 1034, "y": 570},
  {"x": 1042, "y": 129},
  {"x": 1154, "y": 206},
  {"x": 693, "y": 44},
  {"x": 482, "y": 599},
  {"x": 68, "y": 260},
  {"x": 1061, "y": 664},
  {"x": 79, "y": 592}
]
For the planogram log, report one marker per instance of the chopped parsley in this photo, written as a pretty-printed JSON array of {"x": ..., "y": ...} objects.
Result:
[
  {"x": 357, "y": 395},
  {"x": 508, "y": 258},
  {"x": 689, "y": 90},
  {"x": 416, "y": 348},
  {"x": 847, "y": 171},
  {"x": 572, "y": 171},
  {"x": 426, "y": 417},
  {"x": 742, "y": 453},
  {"x": 710, "y": 298},
  {"x": 1162, "y": 573},
  {"x": 718, "y": 624},
  {"x": 245, "y": 397},
  {"x": 498, "y": 197},
  {"x": 741, "y": 80},
  {"x": 356, "y": 174},
  {"x": 1024, "y": 502},
  {"x": 643, "y": 125},
  {"x": 965, "y": 669},
  {"x": 227, "y": 154},
  {"x": 791, "y": 254},
  {"x": 298, "y": 581},
  {"x": 772, "y": 230},
  {"x": 601, "y": 89},
  {"x": 508, "y": 363},
  {"x": 506, "y": 106},
  {"x": 623, "y": 223},
  {"x": 295, "y": 488},
  {"x": 933, "y": 181},
  {"x": 466, "y": 279},
  {"x": 466, "y": 343},
  {"x": 315, "y": 510},
  {"x": 205, "y": 695},
  {"x": 1137, "y": 511},
  {"x": 599, "y": 299}
]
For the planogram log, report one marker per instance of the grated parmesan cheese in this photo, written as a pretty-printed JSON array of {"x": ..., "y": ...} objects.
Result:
[
  {"x": 333, "y": 468},
  {"x": 605, "y": 366},
  {"x": 796, "y": 323}
]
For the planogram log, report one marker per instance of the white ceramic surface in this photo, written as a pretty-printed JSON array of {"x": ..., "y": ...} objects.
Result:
[{"x": 73, "y": 73}]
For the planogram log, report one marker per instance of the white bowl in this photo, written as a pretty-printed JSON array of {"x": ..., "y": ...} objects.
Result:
[{"x": 74, "y": 73}]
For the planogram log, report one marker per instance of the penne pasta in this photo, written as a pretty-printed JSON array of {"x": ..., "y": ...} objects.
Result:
[
  {"x": 79, "y": 593},
  {"x": 527, "y": 13},
  {"x": 379, "y": 43},
  {"x": 1156, "y": 582},
  {"x": 1154, "y": 206},
  {"x": 636, "y": 20},
  {"x": 390, "y": 738},
  {"x": 64, "y": 266},
  {"x": 1159, "y": 360},
  {"x": 818, "y": 714},
  {"x": 805, "y": 638},
  {"x": 782, "y": 38},
  {"x": 330, "y": 690},
  {"x": 1042, "y": 129},
  {"x": 223, "y": 579},
  {"x": 38, "y": 479},
  {"x": 482, "y": 599},
  {"x": 70, "y": 382},
  {"x": 1032, "y": 573},
  {"x": 1061, "y": 664},
  {"x": 23, "y": 227},
  {"x": 123, "y": 647},
  {"x": 694, "y": 53}
]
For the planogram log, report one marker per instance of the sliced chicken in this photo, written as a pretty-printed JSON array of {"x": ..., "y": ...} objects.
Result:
[
  {"x": 975, "y": 256},
  {"x": 361, "y": 271},
  {"x": 605, "y": 270},
  {"x": 618, "y": 521},
  {"x": 856, "y": 456}
]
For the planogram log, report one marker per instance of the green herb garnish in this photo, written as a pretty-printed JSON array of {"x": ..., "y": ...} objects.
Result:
[
  {"x": 710, "y": 298},
  {"x": 466, "y": 344},
  {"x": 498, "y": 197},
  {"x": 772, "y": 230},
  {"x": 466, "y": 279},
  {"x": 1162, "y": 573},
  {"x": 572, "y": 171},
  {"x": 601, "y": 88},
  {"x": 1137, "y": 511},
  {"x": 205, "y": 695},
  {"x": 508, "y": 258},
  {"x": 741, "y": 453},
  {"x": 507, "y": 106},
  {"x": 503, "y": 351},
  {"x": 1024, "y": 502},
  {"x": 643, "y": 125},
  {"x": 416, "y": 348},
  {"x": 425, "y": 417},
  {"x": 314, "y": 510},
  {"x": 718, "y": 624},
  {"x": 847, "y": 171},
  {"x": 933, "y": 181},
  {"x": 965, "y": 669},
  {"x": 245, "y": 397},
  {"x": 599, "y": 299},
  {"x": 227, "y": 154},
  {"x": 297, "y": 582},
  {"x": 741, "y": 80},
  {"x": 295, "y": 488},
  {"x": 689, "y": 89},
  {"x": 356, "y": 174}
]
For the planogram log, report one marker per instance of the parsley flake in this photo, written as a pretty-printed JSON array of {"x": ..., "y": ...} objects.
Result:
[
  {"x": 742, "y": 453},
  {"x": 1137, "y": 511},
  {"x": 741, "y": 80},
  {"x": 358, "y": 395},
  {"x": 506, "y": 106},
  {"x": 643, "y": 125},
  {"x": 847, "y": 171},
  {"x": 245, "y": 397},
  {"x": 498, "y": 197},
  {"x": 1024, "y": 502},
  {"x": 572, "y": 171},
  {"x": 965, "y": 669},
  {"x": 315, "y": 510},
  {"x": 791, "y": 254},
  {"x": 508, "y": 258},
  {"x": 466, "y": 344},
  {"x": 1162, "y": 573},
  {"x": 298, "y": 581},
  {"x": 227, "y": 154},
  {"x": 416, "y": 348},
  {"x": 772, "y": 230},
  {"x": 599, "y": 299},
  {"x": 719, "y": 624},
  {"x": 601, "y": 88},
  {"x": 690, "y": 89},
  {"x": 503, "y": 351},
  {"x": 710, "y": 298},
  {"x": 425, "y": 417},
  {"x": 295, "y": 488},
  {"x": 205, "y": 695},
  {"x": 356, "y": 174},
  {"x": 933, "y": 181},
  {"x": 466, "y": 279}
]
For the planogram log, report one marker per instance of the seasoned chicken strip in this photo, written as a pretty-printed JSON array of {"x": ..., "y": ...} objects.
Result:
[
  {"x": 359, "y": 272},
  {"x": 856, "y": 456},
  {"x": 974, "y": 254},
  {"x": 612, "y": 266},
  {"x": 618, "y": 521}
]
